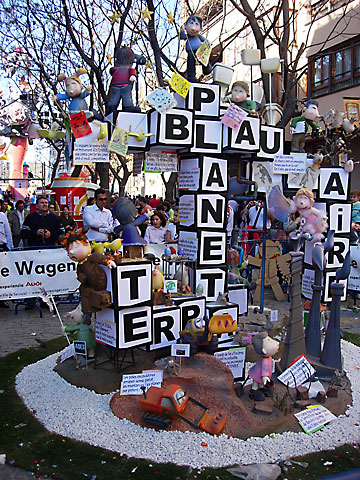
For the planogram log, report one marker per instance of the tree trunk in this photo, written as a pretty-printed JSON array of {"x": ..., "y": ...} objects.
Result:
[
  {"x": 170, "y": 185},
  {"x": 103, "y": 171}
]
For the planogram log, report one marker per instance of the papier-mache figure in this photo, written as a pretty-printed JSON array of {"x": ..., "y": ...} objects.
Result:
[
  {"x": 83, "y": 329},
  {"x": 299, "y": 126},
  {"x": 125, "y": 212},
  {"x": 91, "y": 276},
  {"x": 261, "y": 372},
  {"x": 123, "y": 77},
  {"x": 191, "y": 33},
  {"x": 74, "y": 92},
  {"x": 312, "y": 221},
  {"x": 239, "y": 96}
]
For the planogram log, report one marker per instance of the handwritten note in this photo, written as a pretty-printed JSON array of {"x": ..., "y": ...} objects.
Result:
[
  {"x": 203, "y": 53},
  {"x": 86, "y": 153},
  {"x": 119, "y": 141},
  {"x": 79, "y": 125},
  {"x": 234, "y": 116},
  {"x": 179, "y": 84},
  {"x": 189, "y": 243},
  {"x": 314, "y": 418},
  {"x": 234, "y": 359},
  {"x": 297, "y": 373},
  {"x": 295, "y": 163},
  {"x": 105, "y": 332},
  {"x": 160, "y": 162},
  {"x": 187, "y": 210},
  {"x": 161, "y": 100},
  {"x": 131, "y": 384}
]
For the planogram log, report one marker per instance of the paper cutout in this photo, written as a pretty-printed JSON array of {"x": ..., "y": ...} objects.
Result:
[
  {"x": 161, "y": 100},
  {"x": 203, "y": 53},
  {"x": 234, "y": 116},
  {"x": 119, "y": 141},
  {"x": 179, "y": 84},
  {"x": 262, "y": 174},
  {"x": 79, "y": 125}
]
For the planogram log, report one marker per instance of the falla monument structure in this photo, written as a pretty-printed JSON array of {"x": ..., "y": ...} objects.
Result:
[{"x": 204, "y": 147}]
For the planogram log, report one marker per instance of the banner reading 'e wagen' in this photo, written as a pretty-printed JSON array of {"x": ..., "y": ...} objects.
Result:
[{"x": 24, "y": 273}]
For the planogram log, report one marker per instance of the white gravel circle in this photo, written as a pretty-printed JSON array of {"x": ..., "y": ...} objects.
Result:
[{"x": 84, "y": 415}]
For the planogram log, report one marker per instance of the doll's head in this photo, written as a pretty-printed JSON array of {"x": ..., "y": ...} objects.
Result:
[
  {"x": 193, "y": 25},
  {"x": 311, "y": 111},
  {"x": 124, "y": 56},
  {"x": 124, "y": 210},
  {"x": 265, "y": 345},
  {"x": 73, "y": 83},
  {"x": 239, "y": 91},
  {"x": 77, "y": 244},
  {"x": 303, "y": 199}
]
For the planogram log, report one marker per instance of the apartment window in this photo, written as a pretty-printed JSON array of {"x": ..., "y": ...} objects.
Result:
[
  {"x": 319, "y": 9},
  {"x": 335, "y": 70}
]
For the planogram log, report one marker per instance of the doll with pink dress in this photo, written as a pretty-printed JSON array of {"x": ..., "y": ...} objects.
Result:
[{"x": 261, "y": 372}]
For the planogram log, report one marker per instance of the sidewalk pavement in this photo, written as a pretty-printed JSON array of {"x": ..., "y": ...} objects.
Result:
[{"x": 27, "y": 329}]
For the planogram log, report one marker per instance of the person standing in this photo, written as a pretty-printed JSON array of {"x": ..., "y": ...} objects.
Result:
[
  {"x": 98, "y": 218},
  {"x": 154, "y": 202},
  {"x": 41, "y": 228},
  {"x": 67, "y": 220},
  {"x": 156, "y": 232},
  {"x": 5, "y": 243},
  {"x": 16, "y": 219}
]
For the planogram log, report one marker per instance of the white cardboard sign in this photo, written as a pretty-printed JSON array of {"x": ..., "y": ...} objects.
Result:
[
  {"x": 314, "y": 418},
  {"x": 297, "y": 373},
  {"x": 234, "y": 359},
  {"x": 131, "y": 384}
]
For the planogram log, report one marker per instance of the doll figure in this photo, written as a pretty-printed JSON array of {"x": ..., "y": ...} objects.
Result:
[
  {"x": 299, "y": 126},
  {"x": 123, "y": 78},
  {"x": 190, "y": 33},
  {"x": 261, "y": 372},
  {"x": 85, "y": 334},
  {"x": 239, "y": 96},
  {"x": 74, "y": 92},
  {"x": 125, "y": 212},
  {"x": 312, "y": 220},
  {"x": 91, "y": 276}
]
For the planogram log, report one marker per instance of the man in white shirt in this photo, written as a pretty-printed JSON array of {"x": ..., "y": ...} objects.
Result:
[
  {"x": 98, "y": 218},
  {"x": 5, "y": 234}
]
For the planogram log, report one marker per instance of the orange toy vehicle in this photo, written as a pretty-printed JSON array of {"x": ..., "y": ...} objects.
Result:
[{"x": 160, "y": 404}]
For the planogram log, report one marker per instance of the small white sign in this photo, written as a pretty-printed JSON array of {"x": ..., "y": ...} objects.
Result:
[
  {"x": 297, "y": 373},
  {"x": 295, "y": 163},
  {"x": 314, "y": 418},
  {"x": 274, "y": 315},
  {"x": 131, "y": 384},
  {"x": 234, "y": 359},
  {"x": 180, "y": 350}
]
